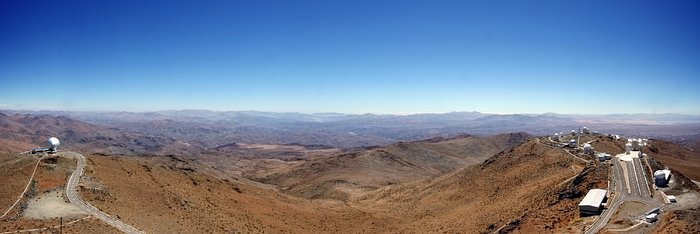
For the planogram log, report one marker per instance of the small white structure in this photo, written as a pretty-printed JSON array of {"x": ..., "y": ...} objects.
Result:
[
  {"x": 650, "y": 218},
  {"x": 585, "y": 130},
  {"x": 635, "y": 144},
  {"x": 556, "y": 137},
  {"x": 53, "y": 144},
  {"x": 572, "y": 143},
  {"x": 588, "y": 149},
  {"x": 603, "y": 156},
  {"x": 671, "y": 198},
  {"x": 642, "y": 155},
  {"x": 591, "y": 203},
  {"x": 661, "y": 177},
  {"x": 628, "y": 148},
  {"x": 573, "y": 132}
]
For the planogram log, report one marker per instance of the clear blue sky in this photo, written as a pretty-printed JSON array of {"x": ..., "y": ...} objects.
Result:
[{"x": 352, "y": 56}]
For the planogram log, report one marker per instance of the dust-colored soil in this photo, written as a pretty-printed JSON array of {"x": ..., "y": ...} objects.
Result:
[
  {"x": 529, "y": 188},
  {"x": 14, "y": 146},
  {"x": 351, "y": 175},
  {"x": 90, "y": 225},
  {"x": 680, "y": 221},
  {"x": 561, "y": 214},
  {"x": 53, "y": 172},
  {"x": 51, "y": 205},
  {"x": 677, "y": 158},
  {"x": 627, "y": 215},
  {"x": 14, "y": 174},
  {"x": 479, "y": 198},
  {"x": 607, "y": 145},
  {"x": 167, "y": 199}
]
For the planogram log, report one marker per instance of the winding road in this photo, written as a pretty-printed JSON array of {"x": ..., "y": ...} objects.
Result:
[
  {"x": 73, "y": 197},
  {"x": 630, "y": 185}
]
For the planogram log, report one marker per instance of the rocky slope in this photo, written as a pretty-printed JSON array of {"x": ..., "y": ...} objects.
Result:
[
  {"x": 352, "y": 174},
  {"x": 508, "y": 191}
]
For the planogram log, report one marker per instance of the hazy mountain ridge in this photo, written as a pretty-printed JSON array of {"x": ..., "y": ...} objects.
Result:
[{"x": 209, "y": 129}]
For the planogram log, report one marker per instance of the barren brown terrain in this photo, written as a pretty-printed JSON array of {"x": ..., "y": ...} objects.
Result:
[
  {"x": 43, "y": 204},
  {"x": 677, "y": 158},
  {"x": 164, "y": 198},
  {"x": 350, "y": 175},
  {"x": 15, "y": 173},
  {"x": 464, "y": 184},
  {"x": 530, "y": 188},
  {"x": 506, "y": 192}
]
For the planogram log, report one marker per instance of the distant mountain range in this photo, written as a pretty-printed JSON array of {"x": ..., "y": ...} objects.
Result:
[{"x": 210, "y": 129}]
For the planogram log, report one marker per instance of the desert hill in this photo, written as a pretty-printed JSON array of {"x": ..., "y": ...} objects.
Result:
[
  {"x": 677, "y": 158},
  {"x": 499, "y": 193},
  {"x": 21, "y": 132},
  {"x": 529, "y": 188},
  {"x": 352, "y": 174},
  {"x": 166, "y": 195},
  {"x": 210, "y": 129}
]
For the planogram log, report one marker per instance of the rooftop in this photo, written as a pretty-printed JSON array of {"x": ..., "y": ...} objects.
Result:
[{"x": 594, "y": 198}]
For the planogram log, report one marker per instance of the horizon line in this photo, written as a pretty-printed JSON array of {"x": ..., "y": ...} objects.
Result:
[{"x": 341, "y": 113}]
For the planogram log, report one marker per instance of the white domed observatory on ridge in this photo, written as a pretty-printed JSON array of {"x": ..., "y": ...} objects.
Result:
[{"x": 53, "y": 144}]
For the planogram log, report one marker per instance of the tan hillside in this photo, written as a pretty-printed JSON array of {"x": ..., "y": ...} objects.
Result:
[
  {"x": 490, "y": 195},
  {"x": 350, "y": 175},
  {"x": 156, "y": 195},
  {"x": 676, "y": 158}
]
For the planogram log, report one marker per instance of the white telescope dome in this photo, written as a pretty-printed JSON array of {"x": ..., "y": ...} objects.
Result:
[{"x": 54, "y": 143}]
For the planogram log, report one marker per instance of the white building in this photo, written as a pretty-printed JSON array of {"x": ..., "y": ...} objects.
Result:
[
  {"x": 591, "y": 203},
  {"x": 636, "y": 144},
  {"x": 650, "y": 218},
  {"x": 661, "y": 177},
  {"x": 603, "y": 156},
  {"x": 585, "y": 130},
  {"x": 628, "y": 148},
  {"x": 588, "y": 149},
  {"x": 572, "y": 143},
  {"x": 671, "y": 198}
]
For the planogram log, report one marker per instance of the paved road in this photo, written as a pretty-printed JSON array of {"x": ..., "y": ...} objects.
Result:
[
  {"x": 573, "y": 155},
  {"x": 618, "y": 186},
  {"x": 73, "y": 197},
  {"x": 630, "y": 184}
]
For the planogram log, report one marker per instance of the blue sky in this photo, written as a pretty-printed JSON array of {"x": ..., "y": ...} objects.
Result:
[{"x": 397, "y": 57}]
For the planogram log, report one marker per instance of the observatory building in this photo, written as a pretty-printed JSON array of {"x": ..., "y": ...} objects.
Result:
[
  {"x": 53, "y": 147},
  {"x": 603, "y": 156},
  {"x": 572, "y": 143},
  {"x": 635, "y": 144},
  {"x": 592, "y": 202},
  {"x": 661, "y": 177},
  {"x": 588, "y": 149},
  {"x": 555, "y": 137},
  {"x": 628, "y": 148},
  {"x": 585, "y": 130},
  {"x": 53, "y": 144}
]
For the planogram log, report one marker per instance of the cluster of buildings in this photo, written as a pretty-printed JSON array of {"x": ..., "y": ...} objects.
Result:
[{"x": 635, "y": 145}]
